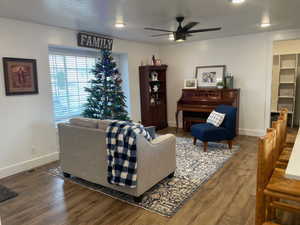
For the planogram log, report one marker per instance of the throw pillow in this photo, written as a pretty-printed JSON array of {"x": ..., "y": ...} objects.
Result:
[{"x": 215, "y": 118}]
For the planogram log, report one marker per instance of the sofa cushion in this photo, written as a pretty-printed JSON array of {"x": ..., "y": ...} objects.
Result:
[
  {"x": 103, "y": 124},
  {"x": 84, "y": 122}
]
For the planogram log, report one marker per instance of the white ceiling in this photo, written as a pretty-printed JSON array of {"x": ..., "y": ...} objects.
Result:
[{"x": 100, "y": 15}]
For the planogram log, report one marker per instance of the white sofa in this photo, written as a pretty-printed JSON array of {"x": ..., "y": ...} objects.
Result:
[{"x": 83, "y": 154}]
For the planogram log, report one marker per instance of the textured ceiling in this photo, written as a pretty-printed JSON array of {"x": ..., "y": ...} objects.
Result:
[{"x": 100, "y": 15}]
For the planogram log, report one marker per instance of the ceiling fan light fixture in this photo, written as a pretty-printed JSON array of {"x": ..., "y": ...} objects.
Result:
[
  {"x": 265, "y": 25},
  {"x": 171, "y": 37},
  {"x": 180, "y": 40},
  {"x": 179, "y": 37},
  {"x": 119, "y": 25},
  {"x": 237, "y": 1}
]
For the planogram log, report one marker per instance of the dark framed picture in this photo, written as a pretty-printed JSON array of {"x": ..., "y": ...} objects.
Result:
[
  {"x": 20, "y": 76},
  {"x": 210, "y": 76}
]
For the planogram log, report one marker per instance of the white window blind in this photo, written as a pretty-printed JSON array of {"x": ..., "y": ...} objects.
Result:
[{"x": 70, "y": 74}]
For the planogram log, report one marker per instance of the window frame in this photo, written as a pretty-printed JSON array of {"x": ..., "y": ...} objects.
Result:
[
  {"x": 75, "y": 53},
  {"x": 64, "y": 53}
]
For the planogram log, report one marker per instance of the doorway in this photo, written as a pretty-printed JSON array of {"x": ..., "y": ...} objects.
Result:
[{"x": 286, "y": 80}]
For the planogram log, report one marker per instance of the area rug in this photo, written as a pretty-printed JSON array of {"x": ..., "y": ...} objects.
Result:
[
  {"x": 6, "y": 194},
  {"x": 194, "y": 168}
]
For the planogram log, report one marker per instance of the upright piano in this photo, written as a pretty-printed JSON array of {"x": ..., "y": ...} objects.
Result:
[{"x": 196, "y": 104}]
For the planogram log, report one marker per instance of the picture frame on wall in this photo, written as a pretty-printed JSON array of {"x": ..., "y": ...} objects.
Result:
[
  {"x": 210, "y": 76},
  {"x": 190, "y": 83},
  {"x": 20, "y": 76}
]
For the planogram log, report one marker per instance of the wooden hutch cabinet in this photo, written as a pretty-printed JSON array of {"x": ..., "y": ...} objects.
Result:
[{"x": 153, "y": 96}]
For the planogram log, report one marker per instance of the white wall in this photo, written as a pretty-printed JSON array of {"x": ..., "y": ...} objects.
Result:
[
  {"x": 248, "y": 57},
  {"x": 27, "y": 131},
  {"x": 28, "y": 135}
]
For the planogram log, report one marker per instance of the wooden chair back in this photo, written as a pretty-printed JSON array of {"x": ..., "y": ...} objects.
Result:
[
  {"x": 284, "y": 114},
  {"x": 278, "y": 127},
  {"x": 283, "y": 129},
  {"x": 265, "y": 169}
]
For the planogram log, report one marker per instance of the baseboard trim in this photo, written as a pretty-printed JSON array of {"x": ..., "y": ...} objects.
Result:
[
  {"x": 29, "y": 164},
  {"x": 173, "y": 124},
  {"x": 251, "y": 132},
  {"x": 242, "y": 131}
]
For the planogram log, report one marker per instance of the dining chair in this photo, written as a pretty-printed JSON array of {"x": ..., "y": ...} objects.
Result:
[
  {"x": 284, "y": 113},
  {"x": 286, "y": 148},
  {"x": 265, "y": 167},
  {"x": 274, "y": 191}
]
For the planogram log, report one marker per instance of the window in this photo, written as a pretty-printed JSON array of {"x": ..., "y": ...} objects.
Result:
[{"x": 70, "y": 74}]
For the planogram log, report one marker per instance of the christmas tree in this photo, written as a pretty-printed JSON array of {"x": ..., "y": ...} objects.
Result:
[{"x": 106, "y": 99}]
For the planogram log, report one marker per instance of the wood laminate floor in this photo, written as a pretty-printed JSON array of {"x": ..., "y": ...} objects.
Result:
[{"x": 228, "y": 198}]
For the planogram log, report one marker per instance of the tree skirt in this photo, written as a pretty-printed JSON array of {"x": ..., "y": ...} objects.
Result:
[
  {"x": 6, "y": 194},
  {"x": 194, "y": 168}
]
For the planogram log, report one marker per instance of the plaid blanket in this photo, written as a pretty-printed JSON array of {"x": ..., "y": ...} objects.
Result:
[{"x": 121, "y": 152}]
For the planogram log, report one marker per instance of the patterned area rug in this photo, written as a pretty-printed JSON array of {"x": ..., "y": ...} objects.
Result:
[
  {"x": 6, "y": 194},
  {"x": 194, "y": 168}
]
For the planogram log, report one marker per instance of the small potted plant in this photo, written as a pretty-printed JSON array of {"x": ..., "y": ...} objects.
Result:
[{"x": 220, "y": 84}]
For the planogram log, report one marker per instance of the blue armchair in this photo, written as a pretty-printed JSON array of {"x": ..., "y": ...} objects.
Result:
[{"x": 207, "y": 132}]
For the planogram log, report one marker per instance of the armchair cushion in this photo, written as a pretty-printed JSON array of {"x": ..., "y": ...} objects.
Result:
[
  {"x": 230, "y": 119},
  {"x": 208, "y": 132}
]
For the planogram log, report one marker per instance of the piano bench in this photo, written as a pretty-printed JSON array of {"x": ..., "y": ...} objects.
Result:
[{"x": 189, "y": 121}]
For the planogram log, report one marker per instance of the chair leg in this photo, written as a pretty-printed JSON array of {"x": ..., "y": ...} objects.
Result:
[
  {"x": 260, "y": 214},
  {"x": 229, "y": 144},
  {"x": 205, "y": 143},
  {"x": 195, "y": 140}
]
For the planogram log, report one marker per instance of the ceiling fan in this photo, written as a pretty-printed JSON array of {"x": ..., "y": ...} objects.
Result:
[{"x": 182, "y": 32}]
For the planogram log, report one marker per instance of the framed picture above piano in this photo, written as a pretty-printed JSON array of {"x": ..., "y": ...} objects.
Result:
[{"x": 210, "y": 76}]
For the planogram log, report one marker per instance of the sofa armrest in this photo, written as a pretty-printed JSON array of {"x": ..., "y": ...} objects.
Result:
[
  {"x": 156, "y": 160},
  {"x": 163, "y": 138}
]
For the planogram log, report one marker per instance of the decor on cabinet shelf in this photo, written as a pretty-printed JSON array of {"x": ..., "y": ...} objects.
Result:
[
  {"x": 155, "y": 88},
  {"x": 152, "y": 101},
  {"x": 153, "y": 60},
  {"x": 158, "y": 62},
  {"x": 106, "y": 99},
  {"x": 154, "y": 76},
  {"x": 20, "y": 76},
  {"x": 209, "y": 76},
  {"x": 190, "y": 83}
]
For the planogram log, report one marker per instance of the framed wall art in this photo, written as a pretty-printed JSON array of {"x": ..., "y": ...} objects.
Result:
[
  {"x": 190, "y": 83},
  {"x": 20, "y": 76},
  {"x": 210, "y": 76}
]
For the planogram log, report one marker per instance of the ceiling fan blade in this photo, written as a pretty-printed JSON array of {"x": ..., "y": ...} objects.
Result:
[
  {"x": 204, "y": 30},
  {"x": 189, "y": 26},
  {"x": 159, "y": 35},
  {"x": 157, "y": 29}
]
